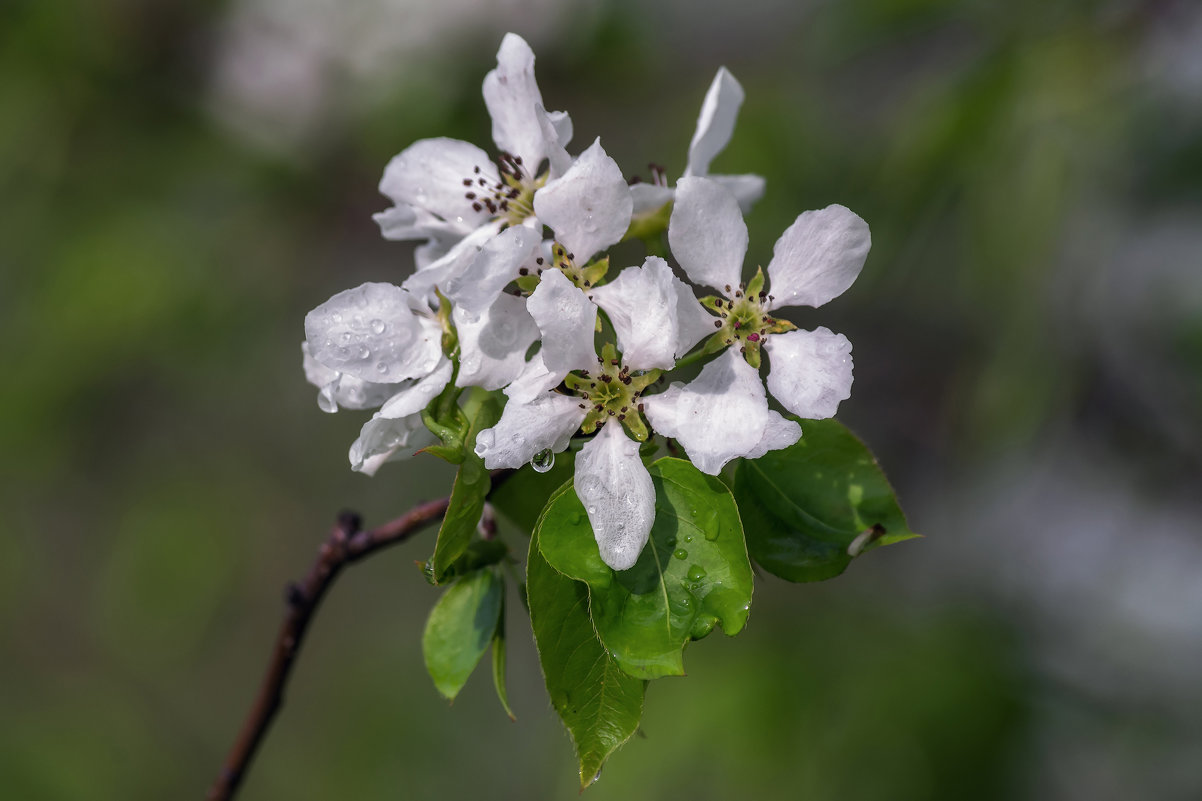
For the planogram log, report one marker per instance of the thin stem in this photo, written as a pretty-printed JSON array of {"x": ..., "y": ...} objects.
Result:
[{"x": 346, "y": 544}]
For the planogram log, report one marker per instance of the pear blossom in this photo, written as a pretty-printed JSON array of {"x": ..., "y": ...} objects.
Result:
[
  {"x": 715, "y": 125},
  {"x": 587, "y": 208},
  {"x": 443, "y": 190},
  {"x": 814, "y": 261},
  {"x": 611, "y": 480}
]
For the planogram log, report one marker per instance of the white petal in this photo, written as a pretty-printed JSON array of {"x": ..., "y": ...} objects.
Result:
[
  {"x": 534, "y": 381},
  {"x": 716, "y": 122},
  {"x": 342, "y": 390},
  {"x": 449, "y": 268},
  {"x": 494, "y": 343},
  {"x": 525, "y": 429},
  {"x": 589, "y": 206},
  {"x": 693, "y": 322},
  {"x": 617, "y": 494},
  {"x": 385, "y": 440},
  {"x": 817, "y": 257},
  {"x": 562, "y": 124},
  {"x": 567, "y": 320},
  {"x": 520, "y": 124},
  {"x": 778, "y": 433},
  {"x": 417, "y": 396},
  {"x": 371, "y": 333},
  {"x": 497, "y": 264},
  {"x": 720, "y": 415},
  {"x": 707, "y": 233},
  {"x": 429, "y": 174},
  {"x": 642, "y": 305},
  {"x": 649, "y": 197},
  {"x": 747, "y": 189},
  {"x": 811, "y": 371}
]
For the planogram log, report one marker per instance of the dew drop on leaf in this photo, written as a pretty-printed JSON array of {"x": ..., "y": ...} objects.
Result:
[
  {"x": 696, "y": 573},
  {"x": 681, "y": 553},
  {"x": 543, "y": 461}
]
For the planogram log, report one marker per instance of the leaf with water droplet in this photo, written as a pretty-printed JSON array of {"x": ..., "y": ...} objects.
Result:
[
  {"x": 646, "y": 614},
  {"x": 599, "y": 704},
  {"x": 803, "y": 506}
]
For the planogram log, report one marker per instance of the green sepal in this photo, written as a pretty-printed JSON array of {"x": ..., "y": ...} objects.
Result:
[
  {"x": 498, "y": 659},
  {"x": 715, "y": 303},
  {"x": 460, "y": 628},
  {"x": 471, "y": 487},
  {"x": 450, "y": 336},
  {"x": 756, "y": 285},
  {"x": 693, "y": 572},
  {"x": 650, "y": 225},
  {"x": 598, "y": 703},
  {"x": 594, "y": 273},
  {"x": 447, "y": 421},
  {"x": 528, "y": 283},
  {"x": 809, "y": 509},
  {"x": 751, "y": 354}
]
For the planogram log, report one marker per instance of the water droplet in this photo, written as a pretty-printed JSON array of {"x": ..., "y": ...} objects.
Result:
[
  {"x": 363, "y": 352},
  {"x": 378, "y": 326},
  {"x": 688, "y": 537},
  {"x": 381, "y": 368},
  {"x": 592, "y": 510},
  {"x": 696, "y": 573},
  {"x": 711, "y": 533},
  {"x": 325, "y": 397},
  {"x": 670, "y": 541},
  {"x": 543, "y": 461},
  {"x": 681, "y": 553},
  {"x": 336, "y": 317}
]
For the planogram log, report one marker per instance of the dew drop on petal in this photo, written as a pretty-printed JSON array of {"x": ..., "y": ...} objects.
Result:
[
  {"x": 378, "y": 326},
  {"x": 381, "y": 368},
  {"x": 543, "y": 461}
]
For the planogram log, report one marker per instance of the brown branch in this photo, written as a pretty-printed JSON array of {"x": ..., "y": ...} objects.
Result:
[{"x": 345, "y": 545}]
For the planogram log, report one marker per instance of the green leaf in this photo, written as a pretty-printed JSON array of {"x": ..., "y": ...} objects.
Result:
[
  {"x": 472, "y": 483},
  {"x": 498, "y": 658},
  {"x": 805, "y": 506},
  {"x": 600, "y": 705},
  {"x": 693, "y": 573},
  {"x": 522, "y": 497},
  {"x": 478, "y": 554},
  {"x": 460, "y": 628}
]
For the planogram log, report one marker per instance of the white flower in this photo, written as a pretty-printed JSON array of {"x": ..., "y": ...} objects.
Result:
[
  {"x": 715, "y": 124},
  {"x": 445, "y": 189},
  {"x": 814, "y": 261},
  {"x": 720, "y": 415},
  {"x": 588, "y": 209},
  {"x": 611, "y": 480}
]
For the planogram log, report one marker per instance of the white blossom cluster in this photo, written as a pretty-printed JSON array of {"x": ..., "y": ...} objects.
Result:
[{"x": 516, "y": 245}]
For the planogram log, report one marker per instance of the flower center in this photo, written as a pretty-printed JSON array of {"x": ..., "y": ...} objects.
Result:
[
  {"x": 743, "y": 321},
  {"x": 612, "y": 391},
  {"x": 510, "y": 199}
]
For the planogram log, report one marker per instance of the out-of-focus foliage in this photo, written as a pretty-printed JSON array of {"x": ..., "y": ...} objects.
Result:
[{"x": 1027, "y": 344}]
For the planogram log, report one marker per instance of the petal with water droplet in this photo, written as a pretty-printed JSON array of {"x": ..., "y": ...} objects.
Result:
[{"x": 617, "y": 493}]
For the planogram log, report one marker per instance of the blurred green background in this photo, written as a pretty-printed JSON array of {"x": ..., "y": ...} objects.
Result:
[{"x": 182, "y": 181}]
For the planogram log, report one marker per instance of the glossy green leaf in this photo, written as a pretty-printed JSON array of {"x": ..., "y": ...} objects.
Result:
[
  {"x": 600, "y": 705},
  {"x": 809, "y": 508},
  {"x": 460, "y": 628},
  {"x": 693, "y": 573},
  {"x": 498, "y": 659},
  {"x": 522, "y": 497},
  {"x": 478, "y": 554},
  {"x": 472, "y": 483}
]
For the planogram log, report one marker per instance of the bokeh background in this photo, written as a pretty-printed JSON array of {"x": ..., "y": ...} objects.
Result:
[{"x": 182, "y": 181}]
